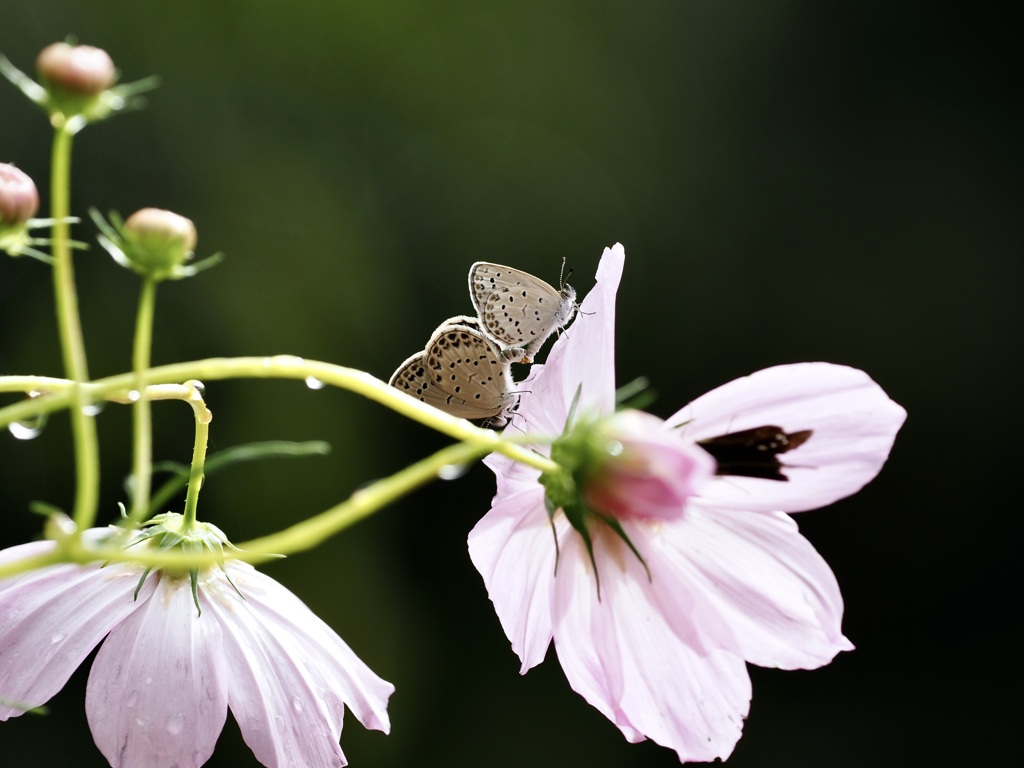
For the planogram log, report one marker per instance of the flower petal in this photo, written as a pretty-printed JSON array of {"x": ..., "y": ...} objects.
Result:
[
  {"x": 767, "y": 583},
  {"x": 854, "y": 425},
  {"x": 157, "y": 693},
  {"x": 513, "y": 549},
  {"x": 621, "y": 654},
  {"x": 290, "y": 674},
  {"x": 583, "y": 357},
  {"x": 51, "y": 618}
]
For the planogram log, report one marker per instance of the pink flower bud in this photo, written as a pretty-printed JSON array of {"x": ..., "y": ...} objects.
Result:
[
  {"x": 157, "y": 241},
  {"x": 648, "y": 470},
  {"x": 78, "y": 69},
  {"x": 19, "y": 199}
]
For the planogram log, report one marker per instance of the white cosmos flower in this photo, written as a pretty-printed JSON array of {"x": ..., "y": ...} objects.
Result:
[
  {"x": 161, "y": 684},
  {"x": 660, "y": 559}
]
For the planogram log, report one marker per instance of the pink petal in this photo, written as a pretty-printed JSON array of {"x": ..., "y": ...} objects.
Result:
[
  {"x": 51, "y": 618},
  {"x": 157, "y": 693},
  {"x": 621, "y": 654},
  {"x": 513, "y": 548},
  {"x": 583, "y": 357},
  {"x": 771, "y": 588},
  {"x": 290, "y": 674},
  {"x": 853, "y": 420}
]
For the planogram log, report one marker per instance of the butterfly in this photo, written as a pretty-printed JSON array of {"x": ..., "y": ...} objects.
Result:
[
  {"x": 517, "y": 309},
  {"x": 463, "y": 372}
]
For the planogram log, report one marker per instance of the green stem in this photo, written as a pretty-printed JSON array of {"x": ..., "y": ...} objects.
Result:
[
  {"x": 364, "y": 502},
  {"x": 83, "y": 427},
  {"x": 302, "y": 536},
  {"x": 286, "y": 367},
  {"x": 142, "y": 427},
  {"x": 195, "y": 477}
]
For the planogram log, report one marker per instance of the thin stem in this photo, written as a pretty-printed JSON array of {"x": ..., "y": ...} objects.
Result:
[
  {"x": 288, "y": 367},
  {"x": 196, "y": 473},
  {"x": 364, "y": 502},
  {"x": 303, "y": 536},
  {"x": 69, "y": 326},
  {"x": 142, "y": 426}
]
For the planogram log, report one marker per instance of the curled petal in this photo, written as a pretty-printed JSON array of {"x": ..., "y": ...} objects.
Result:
[
  {"x": 513, "y": 549},
  {"x": 853, "y": 424},
  {"x": 157, "y": 692},
  {"x": 51, "y": 618},
  {"x": 291, "y": 675}
]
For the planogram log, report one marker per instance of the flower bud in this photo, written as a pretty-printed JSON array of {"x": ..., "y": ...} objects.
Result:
[
  {"x": 81, "y": 70},
  {"x": 158, "y": 241},
  {"x": 19, "y": 199},
  {"x": 641, "y": 469}
]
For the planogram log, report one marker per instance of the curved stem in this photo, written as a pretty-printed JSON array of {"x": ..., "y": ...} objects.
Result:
[
  {"x": 288, "y": 367},
  {"x": 69, "y": 326},
  {"x": 364, "y": 502},
  {"x": 299, "y": 537},
  {"x": 142, "y": 425}
]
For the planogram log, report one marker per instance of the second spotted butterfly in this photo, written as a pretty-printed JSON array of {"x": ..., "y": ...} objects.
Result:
[
  {"x": 461, "y": 372},
  {"x": 517, "y": 309}
]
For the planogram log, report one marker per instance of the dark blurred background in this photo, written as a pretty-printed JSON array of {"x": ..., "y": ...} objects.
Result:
[{"x": 792, "y": 181}]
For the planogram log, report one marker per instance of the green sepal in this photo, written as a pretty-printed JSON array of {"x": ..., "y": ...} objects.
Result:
[
  {"x": 73, "y": 112},
  {"x": 580, "y": 452},
  {"x": 142, "y": 580},
  {"x": 112, "y": 238},
  {"x": 636, "y": 395}
]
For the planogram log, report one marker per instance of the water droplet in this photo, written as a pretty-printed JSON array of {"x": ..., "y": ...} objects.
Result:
[
  {"x": 58, "y": 637},
  {"x": 196, "y": 385},
  {"x": 28, "y": 429},
  {"x": 93, "y": 409},
  {"x": 134, "y": 396},
  {"x": 614, "y": 448},
  {"x": 297, "y": 704},
  {"x": 175, "y": 724},
  {"x": 314, "y": 383},
  {"x": 452, "y": 471},
  {"x": 132, "y": 699}
]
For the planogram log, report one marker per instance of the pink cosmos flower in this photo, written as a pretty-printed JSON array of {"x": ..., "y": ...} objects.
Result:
[
  {"x": 161, "y": 684},
  {"x": 656, "y": 605}
]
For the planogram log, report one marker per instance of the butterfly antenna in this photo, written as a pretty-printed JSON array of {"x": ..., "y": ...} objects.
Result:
[{"x": 563, "y": 276}]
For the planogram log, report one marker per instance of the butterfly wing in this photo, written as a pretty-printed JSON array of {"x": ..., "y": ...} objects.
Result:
[
  {"x": 469, "y": 370},
  {"x": 518, "y": 309},
  {"x": 411, "y": 377}
]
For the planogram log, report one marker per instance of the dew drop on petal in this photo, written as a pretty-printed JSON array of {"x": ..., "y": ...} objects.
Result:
[
  {"x": 314, "y": 383},
  {"x": 297, "y": 704},
  {"x": 132, "y": 699},
  {"x": 175, "y": 724},
  {"x": 58, "y": 637}
]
